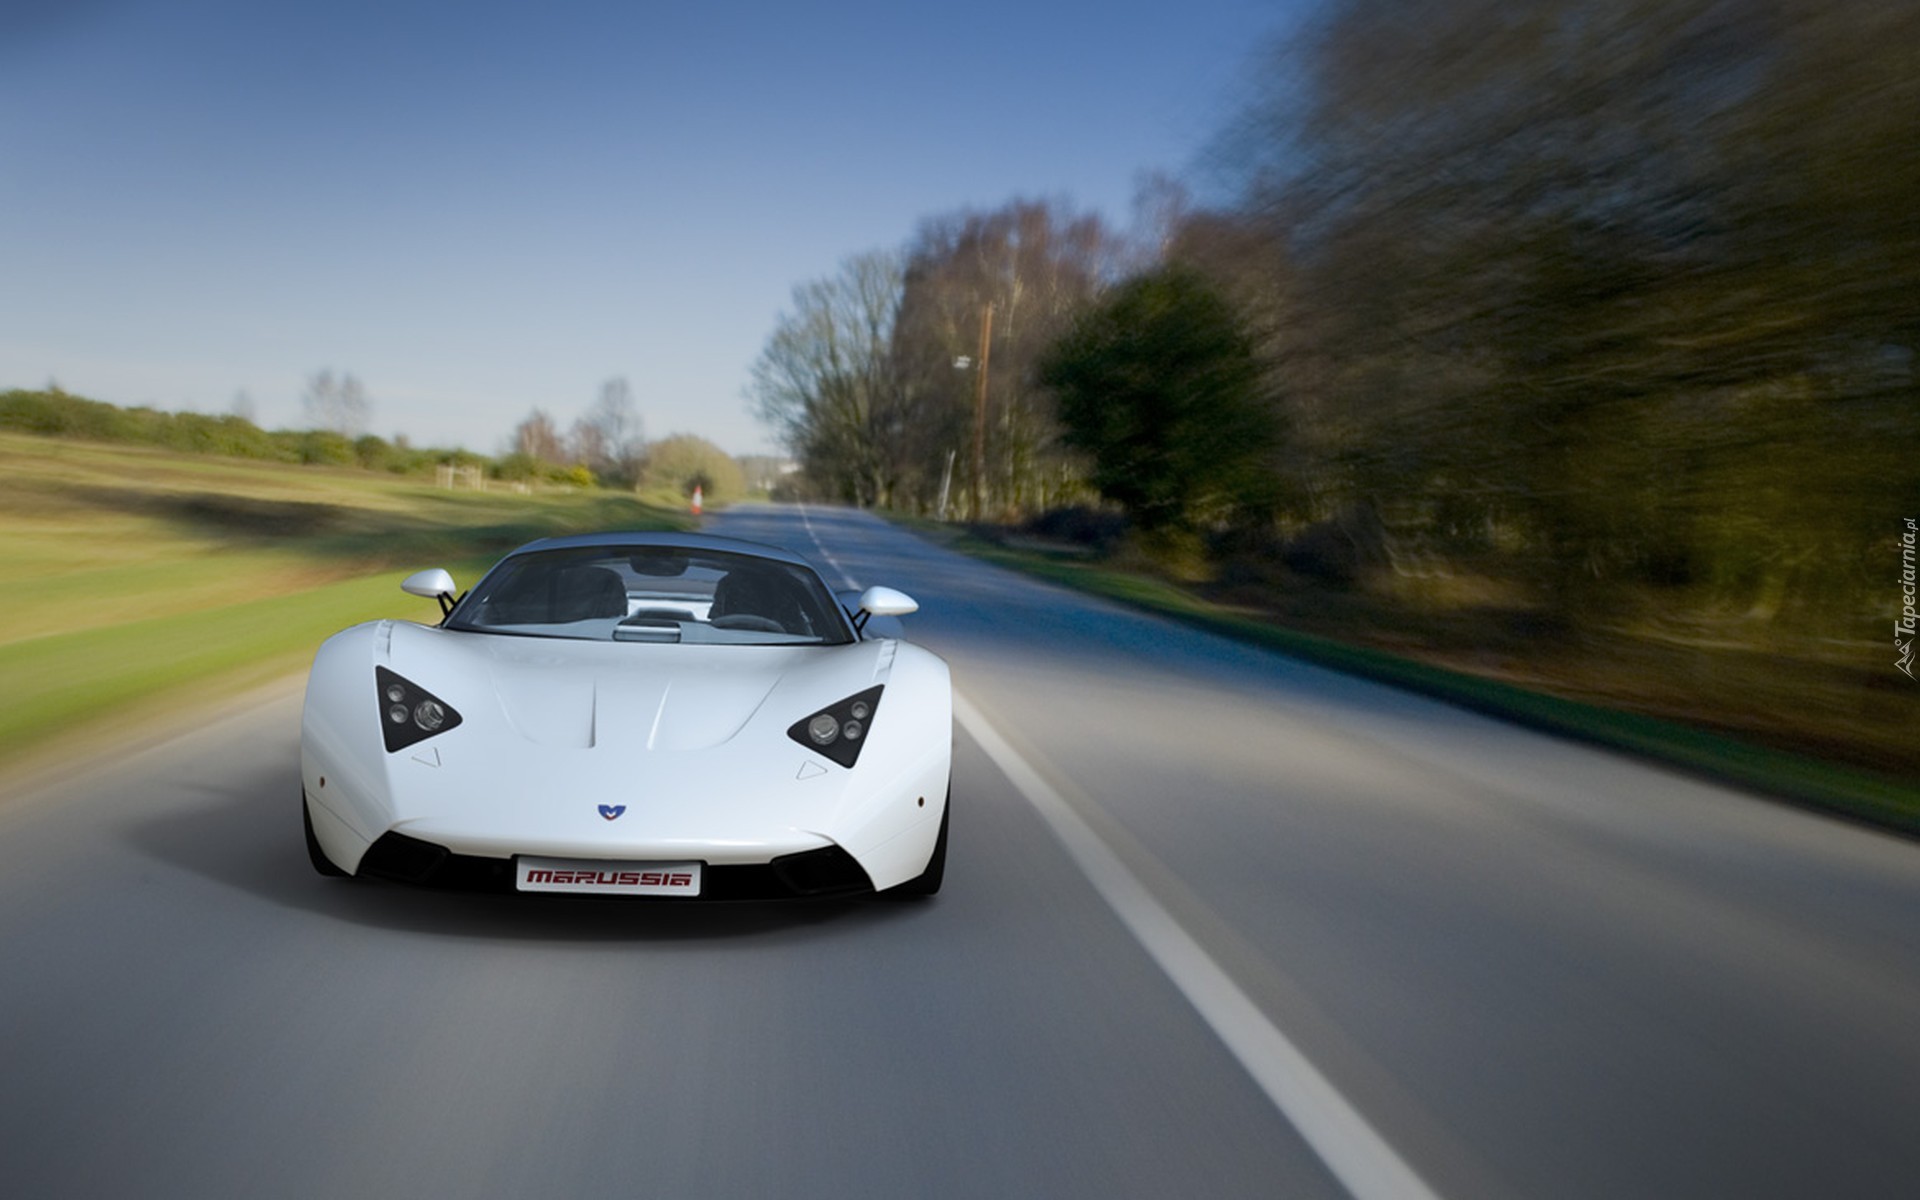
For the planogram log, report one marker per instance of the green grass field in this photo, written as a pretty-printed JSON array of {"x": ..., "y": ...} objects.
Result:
[{"x": 132, "y": 577}]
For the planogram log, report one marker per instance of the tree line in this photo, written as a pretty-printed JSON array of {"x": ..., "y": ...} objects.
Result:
[
  {"x": 1603, "y": 298},
  {"x": 54, "y": 412},
  {"x": 908, "y": 378},
  {"x": 605, "y": 446}
]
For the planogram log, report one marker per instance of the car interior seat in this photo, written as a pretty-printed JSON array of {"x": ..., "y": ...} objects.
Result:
[
  {"x": 753, "y": 593},
  {"x": 539, "y": 597}
]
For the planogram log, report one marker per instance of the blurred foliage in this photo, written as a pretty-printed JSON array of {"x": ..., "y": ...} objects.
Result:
[
  {"x": 678, "y": 464},
  {"x": 824, "y": 380},
  {"x": 338, "y": 404},
  {"x": 1605, "y": 299},
  {"x": 764, "y": 474},
  {"x": 604, "y": 448},
  {"x": 55, "y": 413},
  {"x": 327, "y": 448},
  {"x": 1036, "y": 265},
  {"x": 518, "y": 467},
  {"x": 1611, "y": 297},
  {"x": 873, "y": 378},
  {"x": 1580, "y": 328},
  {"x": 1160, "y": 387},
  {"x": 58, "y": 414},
  {"x": 609, "y": 440}
]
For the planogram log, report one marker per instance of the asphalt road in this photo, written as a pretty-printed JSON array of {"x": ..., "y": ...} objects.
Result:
[{"x": 1215, "y": 924}]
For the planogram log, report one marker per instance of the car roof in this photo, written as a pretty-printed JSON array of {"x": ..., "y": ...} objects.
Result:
[{"x": 674, "y": 541}]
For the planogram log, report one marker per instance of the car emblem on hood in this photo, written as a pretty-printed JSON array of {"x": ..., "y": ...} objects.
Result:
[{"x": 610, "y": 811}]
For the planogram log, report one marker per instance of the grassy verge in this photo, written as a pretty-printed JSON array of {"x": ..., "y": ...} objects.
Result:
[
  {"x": 131, "y": 576},
  {"x": 1866, "y": 796}
]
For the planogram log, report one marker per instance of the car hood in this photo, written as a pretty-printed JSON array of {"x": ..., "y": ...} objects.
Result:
[{"x": 631, "y": 696}]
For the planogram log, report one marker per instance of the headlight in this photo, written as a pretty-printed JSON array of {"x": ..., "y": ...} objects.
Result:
[
  {"x": 410, "y": 713},
  {"x": 839, "y": 730}
]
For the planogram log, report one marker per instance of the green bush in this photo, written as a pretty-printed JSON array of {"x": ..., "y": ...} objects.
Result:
[
  {"x": 1160, "y": 387},
  {"x": 325, "y": 447},
  {"x": 54, "y": 413},
  {"x": 517, "y": 467},
  {"x": 677, "y": 464}
]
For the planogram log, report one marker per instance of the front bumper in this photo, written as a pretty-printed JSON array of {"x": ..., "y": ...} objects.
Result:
[{"x": 825, "y": 872}]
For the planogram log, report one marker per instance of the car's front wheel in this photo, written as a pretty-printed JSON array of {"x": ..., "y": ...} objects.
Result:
[{"x": 324, "y": 865}]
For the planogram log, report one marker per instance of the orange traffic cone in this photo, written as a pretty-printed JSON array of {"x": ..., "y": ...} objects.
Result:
[{"x": 696, "y": 499}]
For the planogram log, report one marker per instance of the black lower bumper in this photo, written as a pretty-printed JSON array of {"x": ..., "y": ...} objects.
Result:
[{"x": 811, "y": 874}]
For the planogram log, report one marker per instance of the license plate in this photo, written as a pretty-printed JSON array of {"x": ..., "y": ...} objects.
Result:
[{"x": 608, "y": 877}]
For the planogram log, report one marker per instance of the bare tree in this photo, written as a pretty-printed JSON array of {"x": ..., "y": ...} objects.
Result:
[
  {"x": 587, "y": 446},
  {"x": 539, "y": 439},
  {"x": 610, "y": 439},
  {"x": 1161, "y": 206},
  {"x": 337, "y": 403},
  {"x": 825, "y": 378},
  {"x": 1036, "y": 265}
]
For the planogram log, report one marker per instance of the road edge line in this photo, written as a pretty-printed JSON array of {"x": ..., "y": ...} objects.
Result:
[
  {"x": 824, "y": 552},
  {"x": 1352, "y": 1150}
]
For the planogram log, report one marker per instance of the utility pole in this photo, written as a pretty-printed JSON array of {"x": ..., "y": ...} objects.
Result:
[{"x": 980, "y": 412}]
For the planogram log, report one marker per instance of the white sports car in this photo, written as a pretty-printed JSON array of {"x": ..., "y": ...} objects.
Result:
[{"x": 633, "y": 714}]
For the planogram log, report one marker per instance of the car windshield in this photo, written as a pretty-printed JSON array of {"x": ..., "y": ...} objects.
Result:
[{"x": 654, "y": 594}]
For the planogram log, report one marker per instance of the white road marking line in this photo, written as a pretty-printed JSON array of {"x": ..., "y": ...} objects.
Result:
[
  {"x": 1352, "y": 1149},
  {"x": 845, "y": 579}
]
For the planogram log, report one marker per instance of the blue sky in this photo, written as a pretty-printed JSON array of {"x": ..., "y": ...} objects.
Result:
[{"x": 478, "y": 208}]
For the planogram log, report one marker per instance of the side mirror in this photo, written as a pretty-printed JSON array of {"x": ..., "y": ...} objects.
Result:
[
  {"x": 433, "y": 584},
  {"x": 882, "y": 602},
  {"x": 885, "y": 602}
]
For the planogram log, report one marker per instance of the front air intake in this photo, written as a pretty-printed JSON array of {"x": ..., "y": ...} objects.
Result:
[{"x": 827, "y": 871}]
